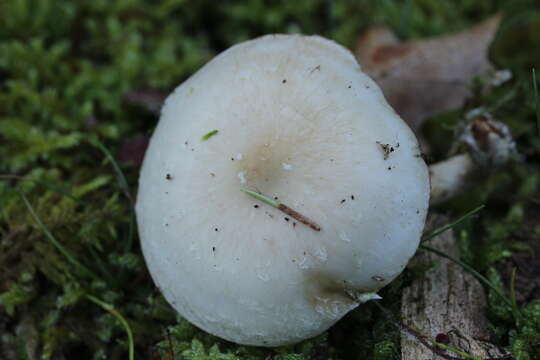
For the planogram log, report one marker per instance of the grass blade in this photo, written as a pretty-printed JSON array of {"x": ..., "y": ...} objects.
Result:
[
  {"x": 285, "y": 209},
  {"x": 455, "y": 351},
  {"x": 261, "y": 197},
  {"x": 121, "y": 319},
  {"x": 125, "y": 189},
  {"x": 131, "y": 230},
  {"x": 467, "y": 267},
  {"x": 119, "y": 174},
  {"x": 70, "y": 258},
  {"x": 536, "y": 100},
  {"x": 446, "y": 227},
  {"x": 515, "y": 307},
  {"x": 52, "y": 187}
]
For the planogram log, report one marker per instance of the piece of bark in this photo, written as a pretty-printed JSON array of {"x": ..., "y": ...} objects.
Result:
[
  {"x": 447, "y": 305},
  {"x": 426, "y": 77}
]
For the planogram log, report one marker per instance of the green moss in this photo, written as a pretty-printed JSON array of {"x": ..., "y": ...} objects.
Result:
[
  {"x": 525, "y": 341},
  {"x": 386, "y": 350}
]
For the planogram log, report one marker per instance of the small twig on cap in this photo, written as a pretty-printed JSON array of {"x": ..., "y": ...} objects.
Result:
[{"x": 287, "y": 210}]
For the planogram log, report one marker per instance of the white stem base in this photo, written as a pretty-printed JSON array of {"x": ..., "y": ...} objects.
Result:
[
  {"x": 490, "y": 145},
  {"x": 450, "y": 177}
]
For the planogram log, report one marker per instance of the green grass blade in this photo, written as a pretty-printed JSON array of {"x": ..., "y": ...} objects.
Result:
[
  {"x": 467, "y": 267},
  {"x": 536, "y": 100},
  {"x": 515, "y": 307},
  {"x": 131, "y": 230},
  {"x": 70, "y": 258},
  {"x": 119, "y": 174},
  {"x": 121, "y": 319},
  {"x": 449, "y": 226},
  {"x": 102, "y": 267},
  {"x": 52, "y": 187},
  {"x": 455, "y": 351},
  {"x": 125, "y": 189},
  {"x": 262, "y": 198}
]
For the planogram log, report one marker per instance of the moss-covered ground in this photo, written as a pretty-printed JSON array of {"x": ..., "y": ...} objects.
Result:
[{"x": 68, "y": 243}]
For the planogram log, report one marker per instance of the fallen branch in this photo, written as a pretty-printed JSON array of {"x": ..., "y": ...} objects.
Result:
[{"x": 447, "y": 306}]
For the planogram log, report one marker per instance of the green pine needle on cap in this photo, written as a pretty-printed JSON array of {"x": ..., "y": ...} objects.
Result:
[{"x": 262, "y": 198}]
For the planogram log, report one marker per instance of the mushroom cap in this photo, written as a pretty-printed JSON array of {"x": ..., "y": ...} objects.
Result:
[{"x": 297, "y": 120}]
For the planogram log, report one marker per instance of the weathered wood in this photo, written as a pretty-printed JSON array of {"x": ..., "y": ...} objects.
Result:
[{"x": 446, "y": 305}]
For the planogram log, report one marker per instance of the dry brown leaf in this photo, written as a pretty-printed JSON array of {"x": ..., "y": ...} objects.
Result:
[{"x": 422, "y": 78}]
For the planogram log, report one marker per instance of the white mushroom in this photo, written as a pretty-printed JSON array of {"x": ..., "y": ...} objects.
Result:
[
  {"x": 316, "y": 134},
  {"x": 489, "y": 145}
]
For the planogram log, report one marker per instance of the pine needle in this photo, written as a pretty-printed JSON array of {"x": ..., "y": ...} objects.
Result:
[
  {"x": 261, "y": 197},
  {"x": 285, "y": 209}
]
